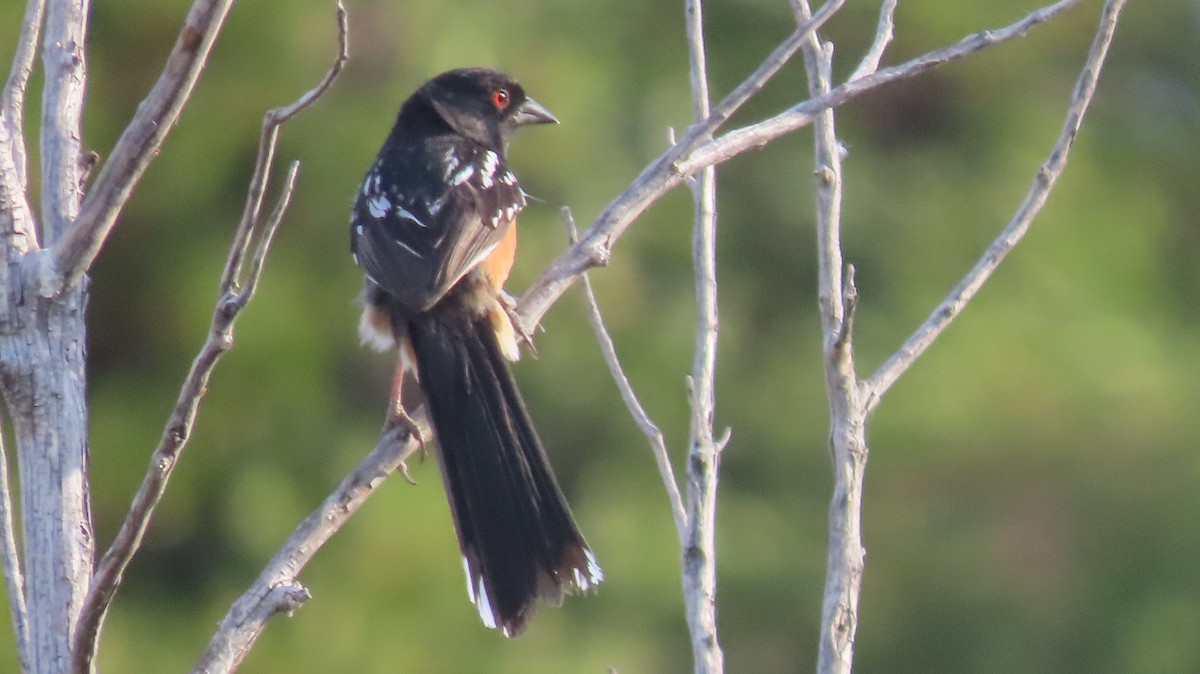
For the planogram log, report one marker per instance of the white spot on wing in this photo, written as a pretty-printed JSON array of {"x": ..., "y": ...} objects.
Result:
[
  {"x": 508, "y": 179},
  {"x": 378, "y": 205},
  {"x": 488, "y": 169},
  {"x": 407, "y": 215},
  {"x": 451, "y": 164},
  {"x": 464, "y": 174},
  {"x": 409, "y": 248}
]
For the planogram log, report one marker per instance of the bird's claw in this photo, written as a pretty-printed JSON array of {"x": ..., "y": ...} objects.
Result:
[
  {"x": 509, "y": 303},
  {"x": 399, "y": 418}
]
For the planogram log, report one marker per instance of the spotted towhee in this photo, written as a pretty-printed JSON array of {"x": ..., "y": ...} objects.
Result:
[{"x": 434, "y": 230}]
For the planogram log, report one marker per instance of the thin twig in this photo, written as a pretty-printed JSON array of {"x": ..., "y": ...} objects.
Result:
[
  {"x": 885, "y": 30},
  {"x": 699, "y": 548},
  {"x": 758, "y": 134},
  {"x": 1085, "y": 88},
  {"x": 12, "y": 106},
  {"x": 233, "y": 295},
  {"x": 69, "y": 259},
  {"x": 266, "y": 147},
  {"x": 658, "y": 444},
  {"x": 707, "y": 123},
  {"x": 670, "y": 170},
  {"x": 13, "y": 577},
  {"x": 277, "y": 589}
]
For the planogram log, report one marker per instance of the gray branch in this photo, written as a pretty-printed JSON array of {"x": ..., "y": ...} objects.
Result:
[
  {"x": 678, "y": 163},
  {"x": 654, "y": 435},
  {"x": 847, "y": 441},
  {"x": 237, "y": 287},
  {"x": 704, "y": 451},
  {"x": 72, "y": 256},
  {"x": 277, "y": 589},
  {"x": 63, "y": 59},
  {"x": 13, "y": 578},
  {"x": 1085, "y": 88},
  {"x": 12, "y": 105}
]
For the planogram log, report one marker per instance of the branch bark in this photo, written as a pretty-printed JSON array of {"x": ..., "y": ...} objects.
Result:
[
  {"x": 699, "y": 554},
  {"x": 847, "y": 440},
  {"x": 658, "y": 444},
  {"x": 1085, "y": 88},
  {"x": 65, "y": 264},
  {"x": 13, "y": 578},
  {"x": 680, "y": 161},
  {"x": 12, "y": 106},
  {"x": 237, "y": 288},
  {"x": 277, "y": 589},
  {"x": 42, "y": 368}
]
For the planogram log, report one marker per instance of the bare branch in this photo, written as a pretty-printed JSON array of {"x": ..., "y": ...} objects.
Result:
[
  {"x": 699, "y": 545},
  {"x": 844, "y": 565},
  {"x": 756, "y": 135},
  {"x": 12, "y": 106},
  {"x": 658, "y": 444},
  {"x": 71, "y": 256},
  {"x": 13, "y": 577},
  {"x": 884, "y": 32},
  {"x": 673, "y": 167},
  {"x": 233, "y": 296},
  {"x": 247, "y": 617},
  {"x": 17, "y": 229},
  {"x": 266, "y": 148},
  {"x": 62, "y": 112},
  {"x": 707, "y": 123},
  {"x": 1085, "y": 87}
]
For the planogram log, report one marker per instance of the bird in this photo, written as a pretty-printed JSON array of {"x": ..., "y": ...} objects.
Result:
[{"x": 434, "y": 230}]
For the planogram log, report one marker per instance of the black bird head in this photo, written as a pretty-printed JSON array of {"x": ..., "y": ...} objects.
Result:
[{"x": 483, "y": 105}]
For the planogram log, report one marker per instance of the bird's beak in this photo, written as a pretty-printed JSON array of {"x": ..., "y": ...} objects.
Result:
[{"x": 532, "y": 112}]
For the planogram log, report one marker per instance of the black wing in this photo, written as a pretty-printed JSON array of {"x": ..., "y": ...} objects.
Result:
[{"x": 426, "y": 217}]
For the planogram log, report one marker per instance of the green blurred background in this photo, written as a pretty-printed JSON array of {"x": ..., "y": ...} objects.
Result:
[{"x": 1032, "y": 493}]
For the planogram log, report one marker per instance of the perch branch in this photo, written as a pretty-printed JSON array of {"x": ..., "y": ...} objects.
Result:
[
  {"x": 69, "y": 259},
  {"x": 677, "y": 163},
  {"x": 277, "y": 588},
  {"x": 658, "y": 444},
  {"x": 1085, "y": 88},
  {"x": 234, "y": 293}
]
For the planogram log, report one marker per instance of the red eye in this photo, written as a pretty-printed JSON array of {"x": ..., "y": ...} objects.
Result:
[{"x": 500, "y": 98}]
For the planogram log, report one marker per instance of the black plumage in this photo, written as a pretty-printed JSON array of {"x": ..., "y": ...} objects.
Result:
[{"x": 428, "y": 228}]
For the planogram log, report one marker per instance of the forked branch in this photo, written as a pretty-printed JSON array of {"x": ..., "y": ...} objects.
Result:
[
  {"x": 237, "y": 287},
  {"x": 1085, "y": 88}
]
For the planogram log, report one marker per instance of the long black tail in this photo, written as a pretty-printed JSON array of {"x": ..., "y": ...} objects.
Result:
[{"x": 519, "y": 541}]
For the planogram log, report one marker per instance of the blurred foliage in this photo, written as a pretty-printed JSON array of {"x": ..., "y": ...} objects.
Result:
[{"x": 1032, "y": 495}]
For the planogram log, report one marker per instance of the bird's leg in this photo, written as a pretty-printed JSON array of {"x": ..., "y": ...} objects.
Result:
[
  {"x": 509, "y": 304},
  {"x": 397, "y": 415}
]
